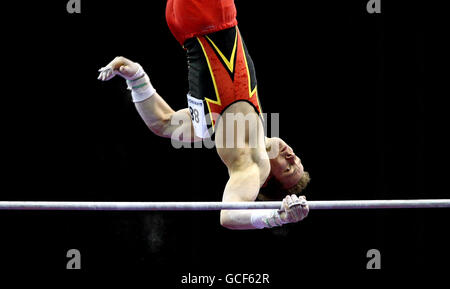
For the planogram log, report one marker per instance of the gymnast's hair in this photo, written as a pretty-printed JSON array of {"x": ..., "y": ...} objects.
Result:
[{"x": 273, "y": 190}]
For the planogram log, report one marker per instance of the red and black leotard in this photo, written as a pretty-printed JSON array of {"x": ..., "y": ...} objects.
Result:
[{"x": 221, "y": 71}]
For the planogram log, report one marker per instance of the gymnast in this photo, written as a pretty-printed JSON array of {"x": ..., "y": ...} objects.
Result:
[{"x": 222, "y": 92}]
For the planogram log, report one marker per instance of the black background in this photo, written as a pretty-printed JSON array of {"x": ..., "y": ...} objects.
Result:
[{"x": 354, "y": 104}]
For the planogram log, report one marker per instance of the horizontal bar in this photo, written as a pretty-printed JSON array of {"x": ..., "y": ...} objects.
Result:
[{"x": 209, "y": 206}]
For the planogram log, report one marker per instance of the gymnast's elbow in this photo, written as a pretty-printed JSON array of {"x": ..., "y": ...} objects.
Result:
[
  {"x": 227, "y": 220},
  {"x": 161, "y": 126}
]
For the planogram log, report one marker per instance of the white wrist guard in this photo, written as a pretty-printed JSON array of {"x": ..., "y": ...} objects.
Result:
[
  {"x": 266, "y": 219},
  {"x": 140, "y": 86}
]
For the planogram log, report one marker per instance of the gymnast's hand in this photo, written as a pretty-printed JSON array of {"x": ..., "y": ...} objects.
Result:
[
  {"x": 121, "y": 66},
  {"x": 293, "y": 209}
]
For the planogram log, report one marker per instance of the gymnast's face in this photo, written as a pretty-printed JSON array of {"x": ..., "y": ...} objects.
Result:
[{"x": 286, "y": 167}]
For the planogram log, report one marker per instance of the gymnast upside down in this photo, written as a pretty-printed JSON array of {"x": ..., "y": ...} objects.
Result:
[{"x": 222, "y": 85}]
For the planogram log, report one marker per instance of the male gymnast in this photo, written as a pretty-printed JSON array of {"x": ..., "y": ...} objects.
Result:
[{"x": 222, "y": 92}]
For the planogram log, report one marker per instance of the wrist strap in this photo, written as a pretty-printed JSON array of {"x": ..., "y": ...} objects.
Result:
[
  {"x": 266, "y": 219},
  {"x": 140, "y": 86}
]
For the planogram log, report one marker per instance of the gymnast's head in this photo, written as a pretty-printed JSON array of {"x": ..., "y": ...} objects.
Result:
[{"x": 287, "y": 175}]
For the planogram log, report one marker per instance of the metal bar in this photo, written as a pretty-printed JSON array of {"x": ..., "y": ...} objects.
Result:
[{"x": 210, "y": 206}]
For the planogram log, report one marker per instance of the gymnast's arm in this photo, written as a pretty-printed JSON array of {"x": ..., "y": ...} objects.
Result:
[
  {"x": 163, "y": 121},
  {"x": 159, "y": 117},
  {"x": 242, "y": 186}
]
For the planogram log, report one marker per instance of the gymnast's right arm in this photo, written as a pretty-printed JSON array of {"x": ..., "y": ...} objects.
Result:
[{"x": 160, "y": 118}]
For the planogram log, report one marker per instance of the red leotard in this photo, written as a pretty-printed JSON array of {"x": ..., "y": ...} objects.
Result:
[{"x": 190, "y": 18}]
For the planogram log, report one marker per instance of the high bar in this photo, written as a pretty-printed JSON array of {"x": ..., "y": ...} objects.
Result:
[{"x": 212, "y": 206}]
